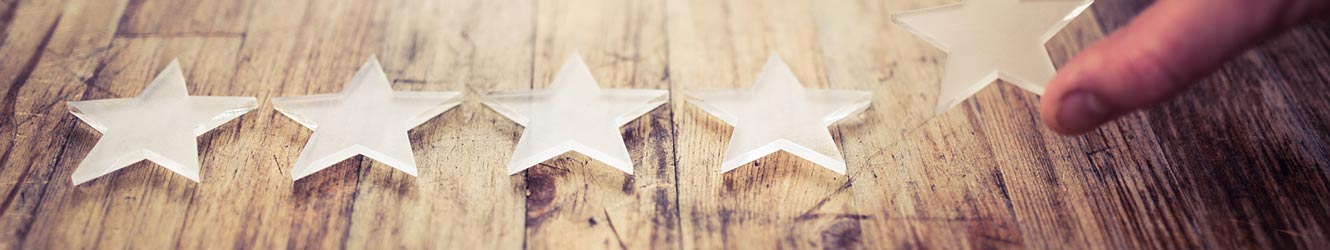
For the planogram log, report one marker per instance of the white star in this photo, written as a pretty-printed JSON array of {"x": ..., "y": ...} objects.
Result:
[
  {"x": 158, "y": 125},
  {"x": 778, "y": 113},
  {"x": 991, "y": 39},
  {"x": 573, "y": 114},
  {"x": 367, "y": 118}
]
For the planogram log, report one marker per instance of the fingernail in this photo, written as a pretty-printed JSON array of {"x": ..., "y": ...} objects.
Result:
[{"x": 1081, "y": 111}]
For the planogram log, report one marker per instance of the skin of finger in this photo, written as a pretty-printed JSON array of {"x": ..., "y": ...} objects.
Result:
[{"x": 1163, "y": 51}]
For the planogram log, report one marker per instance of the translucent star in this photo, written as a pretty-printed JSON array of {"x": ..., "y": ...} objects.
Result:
[
  {"x": 573, "y": 114},
  {"x": 990, "y": 39},
  {"x": 160, "y": 125},
  {"x": 778, "y": 113},
  {"x": 367, "y": 118}
]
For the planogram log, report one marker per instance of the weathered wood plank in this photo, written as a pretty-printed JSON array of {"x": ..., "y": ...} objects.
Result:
[
  {"x": 922, "y": 180},
  {"x": 143, "y": 204},
  {"x": 1102, "y": 174},
  {"x": 174, "y": 18},
  {"x": 1249, "y": 158},
  {"x": 464, "y": 197},
  {"x": 1252, "y": 180},
  {"x": 779, "y": 200},
  {"x": 39, "y": 126},
  {"x": 1240, "y": 161},
  {"x": 25, "y": 36},
  {"x": 1253, "y": 159},
  {"x": 575, "y": 202},
  {"x": 1037, "y": 165},
  {"x": 194, "y": 215},
  {"x": 299, "y": 48},
  {"x": 245, "y": 195}
]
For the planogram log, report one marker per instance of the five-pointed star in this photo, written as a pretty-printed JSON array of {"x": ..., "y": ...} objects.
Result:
[
  {"x": 777, "y": 113},
  {"x": 158, "y": 125},
  {"x": 573, "y": 114},
  {"x": 990, "y": 39},
  {"x": 368, "y": 118}
]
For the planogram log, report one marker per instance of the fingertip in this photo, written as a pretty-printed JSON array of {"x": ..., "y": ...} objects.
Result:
[
  {"x": 1081, "y": 111},
  {"x": 1158, "y": 55},
  {"x": 1048, "y": 106},
  {"x": 1069, "y": 106}
]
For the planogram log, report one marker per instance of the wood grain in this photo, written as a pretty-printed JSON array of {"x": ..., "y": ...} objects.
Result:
[
  {"x": 1240, "y": 161},
  {"x": 573, "y": 201}
]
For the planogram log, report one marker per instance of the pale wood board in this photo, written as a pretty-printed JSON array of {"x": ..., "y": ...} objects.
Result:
[{"x": 1238, "y": 162}]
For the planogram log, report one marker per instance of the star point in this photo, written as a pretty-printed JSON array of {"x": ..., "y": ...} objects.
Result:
[
  {"x": 160, "y": 125},
  {"x": 366, "y": 118},
  {"x": 779, "y": 114},
  {"x": 573, "y": 114},
  {"x": 988, "y": 40}
]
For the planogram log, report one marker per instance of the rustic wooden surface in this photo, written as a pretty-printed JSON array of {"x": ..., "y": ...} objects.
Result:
[{"x": 1238, "y": 162}]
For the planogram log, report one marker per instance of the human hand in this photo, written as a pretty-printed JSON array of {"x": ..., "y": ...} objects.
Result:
[{"x": 1167, "y": 48}]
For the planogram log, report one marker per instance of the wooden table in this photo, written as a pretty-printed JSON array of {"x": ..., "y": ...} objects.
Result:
[{"x": 1239, "y": 161}]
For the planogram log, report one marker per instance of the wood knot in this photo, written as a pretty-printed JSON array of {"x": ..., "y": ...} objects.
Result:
[{"x": 844, "y": 234}]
